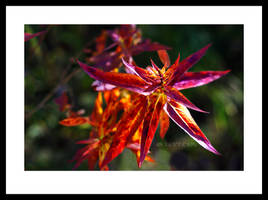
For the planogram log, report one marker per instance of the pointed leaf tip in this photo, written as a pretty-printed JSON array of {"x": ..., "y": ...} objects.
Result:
[
  {"x": 196, "y": 79},
  {"x": 182, "y": 117},
  {"x": 185, "y": 65},
  {"x": 209, "y": 45},
  {"x": 227, "y": 71},
  {"x": 164, "y": 57},
  {"x": 212, "y": 149}
]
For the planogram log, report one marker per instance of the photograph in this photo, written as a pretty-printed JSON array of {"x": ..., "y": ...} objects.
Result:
[{"x": 133, "y": 97}]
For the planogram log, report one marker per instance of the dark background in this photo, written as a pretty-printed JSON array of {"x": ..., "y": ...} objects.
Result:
[{"x": 50, "y": 146}]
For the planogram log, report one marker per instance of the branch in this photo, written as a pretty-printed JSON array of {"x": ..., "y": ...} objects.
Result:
[
  {"x": 63, "y": 80},
  {"x": 51, "y": 93}
]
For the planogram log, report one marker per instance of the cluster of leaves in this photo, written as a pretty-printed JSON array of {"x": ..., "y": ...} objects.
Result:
[{"x": 130, "y": 106}]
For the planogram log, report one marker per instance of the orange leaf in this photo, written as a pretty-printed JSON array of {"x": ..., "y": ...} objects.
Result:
[
  {"x": 111, "y": 95},
  {"x": 74, "y": 121},
  {"x": 127, "y": 126},
  {"x": 164, "y": 123},
  {"x": 150, "y": 125},
  {"x": 163, "y": 55},
  {"x": 147, "y": 158},
  {"x": 172, "y": 69},
  {"x": 97, "y": 112}
]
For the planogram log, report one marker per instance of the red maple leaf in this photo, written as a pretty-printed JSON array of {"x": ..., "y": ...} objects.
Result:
[{"x": 159, "y": 89}]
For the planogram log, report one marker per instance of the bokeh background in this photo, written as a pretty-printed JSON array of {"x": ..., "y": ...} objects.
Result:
[{"x": 50, "y": 146}]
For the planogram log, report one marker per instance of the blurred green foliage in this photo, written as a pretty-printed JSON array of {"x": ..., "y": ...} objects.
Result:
[{"x": 50, "y": 146}]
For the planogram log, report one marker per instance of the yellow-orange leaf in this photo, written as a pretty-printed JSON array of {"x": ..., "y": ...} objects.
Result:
[
  {"x": 164, "y": 123},
  {"x": 74, "y": 121}
]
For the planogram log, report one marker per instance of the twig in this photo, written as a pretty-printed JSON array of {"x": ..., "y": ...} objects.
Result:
[
  {"x": 51, "y": 93},
  {"x": 64, "y": 79}
]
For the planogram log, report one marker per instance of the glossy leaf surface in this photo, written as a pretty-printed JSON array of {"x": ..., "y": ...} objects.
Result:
[
  {"x": 150, "y": 124},
  {"x": 195, "y": 79},
  {"x": 128, "y": 125},
  {"x": 128, "y": 81},
  {"x": 186, "y": 64},
  {"x": 181, "y": 116},
  {"x": 160, "y": 90}
]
